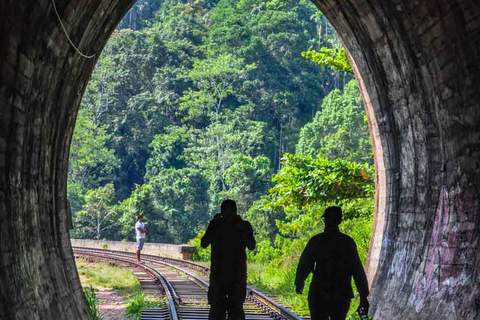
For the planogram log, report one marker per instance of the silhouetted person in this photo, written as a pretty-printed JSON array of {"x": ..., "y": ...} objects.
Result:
[
  {"x": 333, "y": 258},
  {"x": 229, "y": 236}
]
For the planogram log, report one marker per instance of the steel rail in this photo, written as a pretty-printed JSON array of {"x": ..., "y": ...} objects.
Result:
[
  {"x": 169, "y": 291},
  {"x": 277, "y": 311}
]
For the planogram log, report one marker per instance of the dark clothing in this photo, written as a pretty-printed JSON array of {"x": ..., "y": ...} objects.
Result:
[
  {"x": 229, "y": 237},
  {"x": 333, "y": 258},
  {"x": 321, "y": 309},
  {"x": 226, "y": 297}
]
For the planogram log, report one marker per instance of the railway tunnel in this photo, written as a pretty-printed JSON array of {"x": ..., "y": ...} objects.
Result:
[{"x": 418, "y": 66}]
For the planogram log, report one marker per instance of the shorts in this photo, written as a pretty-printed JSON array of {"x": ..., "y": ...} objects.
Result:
[{"x": 140, "y": 242}]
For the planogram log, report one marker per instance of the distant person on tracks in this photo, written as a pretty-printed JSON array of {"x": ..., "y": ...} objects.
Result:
[
  {"x": 229, "y": 236},
  {"x": 333, "y": 259},
  {"x": 140, "y": 231}
]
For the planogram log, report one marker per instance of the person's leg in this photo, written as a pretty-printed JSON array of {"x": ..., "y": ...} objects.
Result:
[
  {"x": 235, "y": 310},
  {"x": 218, "y": 310},
  {"x": 340, "y": 309},
  {"x": 318, "y": 308},
  {"x": 236, "y": 298},
  {"x": 217, "y": 301},
  {"x": 140, "y": 242}
]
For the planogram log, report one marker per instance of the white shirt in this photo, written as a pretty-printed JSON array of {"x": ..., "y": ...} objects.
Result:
[{"x": 140, "y": 235}]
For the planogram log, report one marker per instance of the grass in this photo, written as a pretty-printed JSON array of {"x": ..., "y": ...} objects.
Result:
[
  {"x": 102, "y": 275},
  {"x": 280, "y": 281},
  {"x": 139, "y": 302},
  {"x": 95, "y": 276}
]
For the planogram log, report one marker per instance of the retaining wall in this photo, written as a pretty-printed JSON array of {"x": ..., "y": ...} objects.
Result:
[{"x": 177, "y": 251}]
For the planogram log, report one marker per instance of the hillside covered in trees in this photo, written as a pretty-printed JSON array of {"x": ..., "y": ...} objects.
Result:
[{"x": 193, "y": 102}]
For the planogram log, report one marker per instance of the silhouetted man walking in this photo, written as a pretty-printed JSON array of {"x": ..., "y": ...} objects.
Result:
[
  {"x": 333, "y": 258},
  {"x": 229, "y": 236}
]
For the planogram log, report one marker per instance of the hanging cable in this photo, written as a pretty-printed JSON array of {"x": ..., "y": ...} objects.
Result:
[{"x": 66, "y": 34}]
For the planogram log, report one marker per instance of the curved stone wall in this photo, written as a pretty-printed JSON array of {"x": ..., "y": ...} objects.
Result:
[{"x": 419, "y": 64}]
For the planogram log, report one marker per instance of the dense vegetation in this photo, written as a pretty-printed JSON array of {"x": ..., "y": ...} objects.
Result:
[{"x": 192, "y": 102}]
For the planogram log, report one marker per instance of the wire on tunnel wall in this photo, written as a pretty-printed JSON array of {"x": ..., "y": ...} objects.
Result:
[{"x": 66, "y": 34}]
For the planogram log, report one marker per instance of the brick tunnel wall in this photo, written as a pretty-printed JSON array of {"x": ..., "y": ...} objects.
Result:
[
  {"x": 42, "y": 80},
  {"x": 419, "y": 63}
]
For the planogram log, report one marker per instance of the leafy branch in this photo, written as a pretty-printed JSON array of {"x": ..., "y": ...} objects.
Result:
[{"x": 334, "y": 58}]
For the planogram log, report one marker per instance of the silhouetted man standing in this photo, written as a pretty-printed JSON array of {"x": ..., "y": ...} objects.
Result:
[
  {"x": 229, "y": 236},
  {"x": 333, "y": 258}
]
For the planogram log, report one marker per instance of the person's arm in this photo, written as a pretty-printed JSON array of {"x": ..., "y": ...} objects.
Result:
[
  {"x": 305, "y": 266},
  {"x": 208, "y": 236},
  {"x": 140, "y": 229},
  {"x": 360, "y": 279},
  {"x": 250, "y": 240}
]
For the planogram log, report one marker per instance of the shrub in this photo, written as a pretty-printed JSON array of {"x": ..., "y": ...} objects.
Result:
[
  {"x": 200, "y": 253},
  {"x": 93, "y": 312}
]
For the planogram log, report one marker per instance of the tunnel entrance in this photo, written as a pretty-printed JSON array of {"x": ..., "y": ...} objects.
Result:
[
  {"x": 419, "y": 68},
  {"x": 169, "y": 138}
]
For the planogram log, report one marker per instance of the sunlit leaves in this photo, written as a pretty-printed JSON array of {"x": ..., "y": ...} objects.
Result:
[
  {"x": 304, "y": 180},
  {"x": 334, "y": 58}
]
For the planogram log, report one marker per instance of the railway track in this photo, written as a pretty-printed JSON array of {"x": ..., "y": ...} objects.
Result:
[{"x": 184, "y": 285}]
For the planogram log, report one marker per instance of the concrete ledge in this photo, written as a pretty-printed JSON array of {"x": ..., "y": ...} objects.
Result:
[{"x": 177, "y": 251}]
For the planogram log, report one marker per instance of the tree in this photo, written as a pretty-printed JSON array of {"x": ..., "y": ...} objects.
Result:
[
  {"x": 97, "y": 214},
  {"x": 339, "y": 129},
  {"x": 91, "y": 163},
  {"x": 214, "y": 79},
  {"x": 181, "y": 202},
  {"x": 167, "y": 150},
  {"x": 303, "y": 188},
  {"x": 215, "y": 150},
  {"x": 304, "y": 180},
  {"x": 249, "y": 179},
  {"x": 283, "y": 88}
]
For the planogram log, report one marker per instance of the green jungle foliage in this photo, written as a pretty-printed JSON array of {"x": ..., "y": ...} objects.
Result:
[
  {"x": 193, "y": 102},
  {"x": 289, "y": 216}
]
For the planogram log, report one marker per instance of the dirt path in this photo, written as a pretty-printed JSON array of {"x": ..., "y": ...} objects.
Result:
[{"x": 111, "y": 304}]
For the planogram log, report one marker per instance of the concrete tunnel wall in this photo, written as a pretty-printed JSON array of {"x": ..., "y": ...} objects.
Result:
[{"x": 420, "y": 76}]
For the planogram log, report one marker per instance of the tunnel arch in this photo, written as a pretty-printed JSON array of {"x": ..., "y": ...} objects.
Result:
[{"x": 420, "y": 78}]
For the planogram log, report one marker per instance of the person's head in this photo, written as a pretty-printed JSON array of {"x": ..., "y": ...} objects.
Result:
[
  {"x": 140, "y": 218},
  {"x": 332, "y": 216},
  {"x": 228, "y": 207}
]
